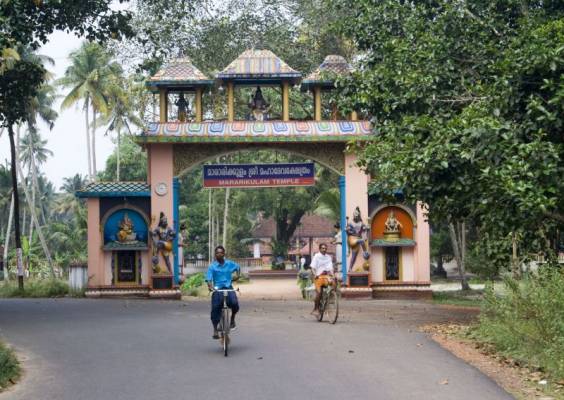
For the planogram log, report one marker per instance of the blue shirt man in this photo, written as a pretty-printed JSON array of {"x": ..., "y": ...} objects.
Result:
[{"x": 220, "y": 276}]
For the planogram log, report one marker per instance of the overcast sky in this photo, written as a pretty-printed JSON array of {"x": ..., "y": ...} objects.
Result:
[{"x": 67, "y": 140}]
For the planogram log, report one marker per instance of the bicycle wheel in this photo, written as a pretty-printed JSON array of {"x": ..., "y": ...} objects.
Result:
[
  {"x": 225, "y": 322},
  {"x": 322, "y": 303},
  {"x": 332, "y": 307}
]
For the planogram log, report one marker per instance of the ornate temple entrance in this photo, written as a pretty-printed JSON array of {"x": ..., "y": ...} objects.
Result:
[{"x": 176, "y": 144}]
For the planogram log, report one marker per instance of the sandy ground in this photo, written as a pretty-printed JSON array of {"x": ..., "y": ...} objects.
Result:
[{"x": 287, "y": 289}]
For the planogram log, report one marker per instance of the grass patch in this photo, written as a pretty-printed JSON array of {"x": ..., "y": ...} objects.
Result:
[
  {"x": 526, "y": 323},
  {"x": 9, "y": 366},
  {"x": 194, "y": 285},
  {"x": 35, "y": 288},
  {"x": 471, "y": 298}
]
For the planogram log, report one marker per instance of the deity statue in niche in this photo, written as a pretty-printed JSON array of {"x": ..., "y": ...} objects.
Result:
[
  {"x": 162, "y": 236},
  {"x": 126, "y": 233},
  {"x": 182, "y": 105},
  {"x": 392, "y": 227},
  {"x": 259, "y": 107},
  {"x": 357, "y": 233}
]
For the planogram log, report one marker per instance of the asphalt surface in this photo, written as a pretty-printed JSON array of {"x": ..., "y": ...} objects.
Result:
[{"x": 80, "y": 349}]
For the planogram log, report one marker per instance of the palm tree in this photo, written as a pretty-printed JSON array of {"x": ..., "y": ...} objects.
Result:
[
  {"x": 328, "y": 204},
  {"x": 89, "y": 77},
  {"x": 121, "y": 115},
  {"x": 33, "y": 147},
  {"x": 67, "y": 203}
]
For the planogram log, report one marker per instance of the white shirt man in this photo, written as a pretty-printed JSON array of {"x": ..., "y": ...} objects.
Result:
[
  {"x": 322, "y": 262},
  {"x": 322, "y": 267}
]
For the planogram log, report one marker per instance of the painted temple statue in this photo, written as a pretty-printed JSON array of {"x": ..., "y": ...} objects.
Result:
[{"x": 132, "y": 241}]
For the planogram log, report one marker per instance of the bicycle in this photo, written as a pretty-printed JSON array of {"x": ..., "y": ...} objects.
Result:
[
  {"x": 329, "y": 304},
  {"x": 224, "y": 326}
]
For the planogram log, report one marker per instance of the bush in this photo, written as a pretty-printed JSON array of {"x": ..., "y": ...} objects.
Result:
[
  {"x": 9, "y": 366},
  {"x": 192, "y": 284},
  {"x": 35, "y": 288},
  {"x": 527, "y": 322}
]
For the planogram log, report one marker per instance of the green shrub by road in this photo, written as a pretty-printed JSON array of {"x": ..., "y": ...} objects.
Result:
[
  {"x": 527, "y": 321},
  {"x": 9, "y": 366},
  {"x": 35, "y": 288}
]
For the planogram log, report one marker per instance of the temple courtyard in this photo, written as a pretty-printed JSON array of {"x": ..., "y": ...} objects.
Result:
[{"x": 84, "y": 349}]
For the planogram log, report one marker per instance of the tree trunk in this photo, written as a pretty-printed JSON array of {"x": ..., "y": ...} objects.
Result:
[
  {"x": 16, "y": 207},
  {"x": 32, "y": 184},
  {"x": 217, "y": 229},
  {"x": 89, "y": 153},
  {"x": 36, "y": 183},
  {"x": 94, "y": 171},
  {"x": 458, "y": 240},
  {"x": 225, "y": 216},
  {"x": 7, "y": 241},
  {"x": 515, "y": 270},
  {"x": 118, "y": 154},
  {"x": 33, "y": 217}
]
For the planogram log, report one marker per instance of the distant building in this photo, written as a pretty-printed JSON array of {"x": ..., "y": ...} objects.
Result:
[{"x": 311, "y": 232}]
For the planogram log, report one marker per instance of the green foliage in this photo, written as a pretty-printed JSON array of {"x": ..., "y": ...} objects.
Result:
[
  {"x": 527, "y": 322},
  {"x": 193, "y": 284},
  {"x": 35, "y": 289},
  {"x": 133, "y": 163},
  {"x": 459, "y": 298},
  {"x": 488, "y": 258},
  {"x": 9, "y": 366},
  {"x": 194, "y": 281},
  {"x": 467, "y": 101},
  {"x": 18, "y": 86}
]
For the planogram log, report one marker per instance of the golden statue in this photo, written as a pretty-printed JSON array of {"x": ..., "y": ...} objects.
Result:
[
  {"x": 392, "y": 227},
  {"x": 126, "y": 233}
]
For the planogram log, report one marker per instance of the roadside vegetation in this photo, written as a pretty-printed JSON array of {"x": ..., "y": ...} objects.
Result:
[
  {"x": 9, "y": 367},
  {"x": 473, "y": 298},
  {"x": 35, "y": 288},
  {"x": 526, "y": 323}
]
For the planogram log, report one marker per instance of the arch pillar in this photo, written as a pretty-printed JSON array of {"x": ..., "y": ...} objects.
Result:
[
  {"x": 161, "y": 178},
  {"x": 357, "y": 187}
]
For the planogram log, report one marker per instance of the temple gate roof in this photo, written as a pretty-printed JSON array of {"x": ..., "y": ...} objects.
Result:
[
  {"x": 180, "y": 73},
  {"x": 324, "y": 75},
  {"x": 259, "y": 66}
]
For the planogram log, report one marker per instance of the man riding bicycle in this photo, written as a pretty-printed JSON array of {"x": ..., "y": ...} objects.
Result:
[
  {"x": 322, "y": 268},
  {"x": 221, "y": 273}
]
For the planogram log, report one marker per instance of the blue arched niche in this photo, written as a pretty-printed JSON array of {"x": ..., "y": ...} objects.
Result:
[{"x": 111, "y": 225}]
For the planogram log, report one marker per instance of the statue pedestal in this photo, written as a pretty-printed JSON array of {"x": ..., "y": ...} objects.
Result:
[
  {"x": 358, "y": 279},
  {"x": 162, "y": 281}
]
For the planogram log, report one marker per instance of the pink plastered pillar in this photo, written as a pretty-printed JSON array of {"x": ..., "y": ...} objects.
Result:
[
  {"x": 160, "y": 176},
  {"x": 94, "y": 235},
  {"x": 356, "y": 187},
  {"x": 423, "y": 249}
]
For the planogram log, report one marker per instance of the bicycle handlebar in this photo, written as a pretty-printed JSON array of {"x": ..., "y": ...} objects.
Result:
[{"x": 224, "y": 290}]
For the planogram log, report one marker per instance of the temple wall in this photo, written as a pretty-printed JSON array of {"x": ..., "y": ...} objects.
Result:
[
  {"x": 107, "y": 265},
  {"x": 145, "y": 267},
  {"x": 423, "y": 249},
  {"x": 408, "y": 270},
  {"x": 94, "y": 244},
  {"x": 377, "y": 264}
]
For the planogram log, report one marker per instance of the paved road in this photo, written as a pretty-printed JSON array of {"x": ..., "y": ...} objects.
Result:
[{"x": 79, "y": 349}]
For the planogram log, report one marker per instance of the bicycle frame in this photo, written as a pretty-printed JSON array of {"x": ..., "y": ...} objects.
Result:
[
  {"x": 224, "y": 322},
  {"x": 326, "y": 292}
]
